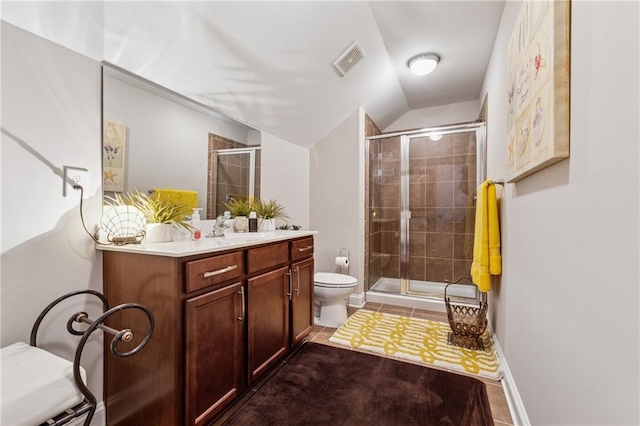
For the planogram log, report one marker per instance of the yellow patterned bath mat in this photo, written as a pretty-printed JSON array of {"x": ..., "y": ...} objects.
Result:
[{"x": 418, "y": 340}]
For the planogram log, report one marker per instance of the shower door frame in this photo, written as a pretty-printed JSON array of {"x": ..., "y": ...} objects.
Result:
[
  {"x": 235, "y": 151},
  {"x": 405, "y": 212}
]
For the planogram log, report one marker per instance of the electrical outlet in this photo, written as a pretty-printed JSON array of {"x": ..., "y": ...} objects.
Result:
[{"x": 74, "y": 176}]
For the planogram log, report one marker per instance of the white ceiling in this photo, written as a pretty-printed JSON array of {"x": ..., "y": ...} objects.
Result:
[{"x": 268, "y": 64}]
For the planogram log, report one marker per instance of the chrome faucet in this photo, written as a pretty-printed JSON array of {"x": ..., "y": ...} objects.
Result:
[{"x": 219, "y": 227}]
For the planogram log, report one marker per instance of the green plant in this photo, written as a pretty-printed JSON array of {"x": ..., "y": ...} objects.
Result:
[
  {"x": 269, "y": 209},
  {"x": 239, "y": 207},
  {"x": 296, "y": 227},
  {"x": 283, "y": 227},
  {"x": 154, "y": 209}
]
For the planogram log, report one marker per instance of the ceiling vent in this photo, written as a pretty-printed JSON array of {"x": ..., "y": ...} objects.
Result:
[{"x": 349, "y": 59}]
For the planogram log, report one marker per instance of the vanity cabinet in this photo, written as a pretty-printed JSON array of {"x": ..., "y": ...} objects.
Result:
[
  {"x": 301, "y": 300},
  {"x": 222, "y": 320},
  {"x": 215, "y": 369},
  {"x": 268, "y": 307}
]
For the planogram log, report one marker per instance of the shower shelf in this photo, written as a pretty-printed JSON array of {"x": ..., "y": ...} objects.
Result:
[
  {"x": 384, "y": 173},
  {"x": 384, "y": 156},
  {"x": 380, "y": 255}
]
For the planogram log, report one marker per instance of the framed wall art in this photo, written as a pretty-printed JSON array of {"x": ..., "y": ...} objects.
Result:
[
  {"x": 538, "y": 88},
  {"x": 113, "y": 146}
]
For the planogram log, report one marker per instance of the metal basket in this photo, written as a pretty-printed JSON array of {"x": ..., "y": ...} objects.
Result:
[{"x": 467, "y": 322}]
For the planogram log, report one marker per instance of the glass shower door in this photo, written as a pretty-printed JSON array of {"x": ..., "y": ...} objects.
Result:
[
  {"x": 385, "y": 214},
  {"x": 234, "y": 175},
  {"x": 441, "y": 189},
  {"x": 422, "y": 189}
]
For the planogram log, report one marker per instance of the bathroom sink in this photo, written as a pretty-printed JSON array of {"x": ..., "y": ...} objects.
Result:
[{"x": 244, "y": 237}]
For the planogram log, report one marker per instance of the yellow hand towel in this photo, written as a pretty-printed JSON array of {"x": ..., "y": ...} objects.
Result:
[
  {"x": 486, "y": 247},
  {"x": 188, "y": 199}
]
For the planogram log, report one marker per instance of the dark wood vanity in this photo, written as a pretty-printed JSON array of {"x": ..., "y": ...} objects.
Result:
[{"x": 223, "y": 318}]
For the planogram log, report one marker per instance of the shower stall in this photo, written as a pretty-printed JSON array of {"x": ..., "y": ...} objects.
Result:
[
  {"x": 421, "y": 213},
  {"x": 233, "y": 173}
]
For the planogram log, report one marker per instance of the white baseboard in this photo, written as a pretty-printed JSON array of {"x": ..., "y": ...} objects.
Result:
[
  {"x": 99, "y": 417},
  {"x": 516, "y": 406},
  {"x": 356, "y": 300}
]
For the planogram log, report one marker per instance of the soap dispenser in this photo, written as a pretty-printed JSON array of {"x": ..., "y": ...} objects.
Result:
[
  {"x": 195, "y": 223},
  {"x": 253, "y": 222}
]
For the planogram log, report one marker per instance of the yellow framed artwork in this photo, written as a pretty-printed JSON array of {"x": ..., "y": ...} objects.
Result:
[
  {"x": 113, "y": 145},
  {"x": 538, "y": 88}
]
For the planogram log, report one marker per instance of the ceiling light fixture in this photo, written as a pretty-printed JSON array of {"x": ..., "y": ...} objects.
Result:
[
  {"x": 423, "y": 63},
  {"x": 435, "y": 136}
]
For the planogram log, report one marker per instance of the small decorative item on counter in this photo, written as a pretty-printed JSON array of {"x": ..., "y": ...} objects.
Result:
[
  {"x": 268, "y": 212},
  {"x": 284, "y": 227},
  {"x": 240, "y": 209},
  {"x": 241, "y": 224},
  {"x": 123, "y": 225},
  {"x": 195, "y": 224},
  {"x": 155, "y": 211},
  {"x": 253, "y": 222},
  {"x": 296, "y": 227}
]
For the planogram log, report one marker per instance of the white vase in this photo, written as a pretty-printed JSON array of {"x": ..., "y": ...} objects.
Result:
[
  {"x": 241, "y": 224},
  {"x": 158, "y": 233},
  {"x": 267, "y": 225}
]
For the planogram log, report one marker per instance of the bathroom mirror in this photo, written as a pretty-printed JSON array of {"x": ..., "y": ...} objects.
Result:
[{"x": 154, "y": 138}]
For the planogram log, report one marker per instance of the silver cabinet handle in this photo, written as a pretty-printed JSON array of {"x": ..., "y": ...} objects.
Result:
[
  {"x": 290, "y": 284},
  {"x": 241, "y": 292},
  {"x": 305, "y": 248},
  {"x": 298, "y": 273},
  {"x": 220, "y": 271}
]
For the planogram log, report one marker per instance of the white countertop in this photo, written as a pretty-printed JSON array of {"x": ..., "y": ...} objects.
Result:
[{"x": 187, "y": 247}]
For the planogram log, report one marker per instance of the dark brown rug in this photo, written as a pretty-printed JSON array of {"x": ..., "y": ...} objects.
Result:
[{"x": 323, "y": 385}]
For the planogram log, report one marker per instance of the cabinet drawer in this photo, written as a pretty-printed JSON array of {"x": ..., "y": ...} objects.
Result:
[
  {"x": 267, "y": 257},
  {"x": 213, "y": 270},
  {"x": 302, "y": 248}
]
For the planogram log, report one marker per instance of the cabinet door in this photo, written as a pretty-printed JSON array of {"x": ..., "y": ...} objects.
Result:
[
  {"x": 215, "y": 373},
  {"x": 301, "y": 300},
  {"x": 268, "y": 322}
]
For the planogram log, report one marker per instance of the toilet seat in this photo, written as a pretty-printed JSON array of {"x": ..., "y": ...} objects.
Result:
[{"x": 333, "y": 280}]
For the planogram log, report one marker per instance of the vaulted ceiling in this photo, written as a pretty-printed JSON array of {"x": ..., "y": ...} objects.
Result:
[{"x": 268, "y": 64}]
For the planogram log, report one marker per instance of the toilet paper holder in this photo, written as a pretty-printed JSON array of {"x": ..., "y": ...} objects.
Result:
[{"x": 342, "y": 254}]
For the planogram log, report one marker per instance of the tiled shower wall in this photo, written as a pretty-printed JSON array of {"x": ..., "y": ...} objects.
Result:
[
  {"x": 233, "y": 175},
  {"x": 441, "y": 192}
]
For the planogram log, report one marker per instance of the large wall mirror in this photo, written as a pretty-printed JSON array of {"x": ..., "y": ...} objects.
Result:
[{"x": 155, "y": 139}]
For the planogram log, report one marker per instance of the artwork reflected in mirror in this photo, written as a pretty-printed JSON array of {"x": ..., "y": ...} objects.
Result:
[{"x": 176, "y": 144}]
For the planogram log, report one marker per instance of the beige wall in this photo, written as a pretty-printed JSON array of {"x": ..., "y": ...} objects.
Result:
[
  {"x": 285, "y": 177},
  {"x": 566, "y": 309},
  {"x": 337, "y": 202},
  {"x": 50, "y": 119},
  {"x": 460, "y": 112}
]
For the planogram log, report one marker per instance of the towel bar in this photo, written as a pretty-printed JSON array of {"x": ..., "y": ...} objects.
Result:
[{"x": 88, "y": 405}]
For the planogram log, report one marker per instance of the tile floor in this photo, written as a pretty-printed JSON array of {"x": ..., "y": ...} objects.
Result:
[{"x": 497, "y": 400}]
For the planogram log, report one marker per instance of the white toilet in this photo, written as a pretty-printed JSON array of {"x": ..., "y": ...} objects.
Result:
[{"x": 331, "y": 291}]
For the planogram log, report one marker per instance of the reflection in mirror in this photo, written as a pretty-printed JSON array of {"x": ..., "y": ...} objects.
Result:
[{"x": 155, "y": 139}]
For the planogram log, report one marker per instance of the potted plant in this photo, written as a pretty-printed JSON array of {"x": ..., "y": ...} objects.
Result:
[
  {"x": 239, "y": 209},
  {"x": 161, "y": 214},
  {"x": 269, "y": 211}
]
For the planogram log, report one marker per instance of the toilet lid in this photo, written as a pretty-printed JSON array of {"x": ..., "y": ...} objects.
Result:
[{"x": 329, "y": 279}]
